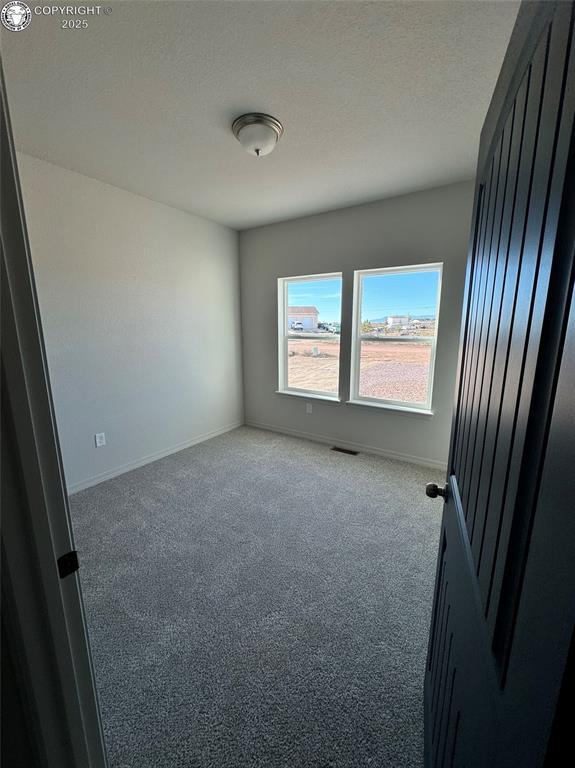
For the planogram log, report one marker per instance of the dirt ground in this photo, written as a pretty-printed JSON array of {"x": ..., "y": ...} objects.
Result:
[{"x": 394, "y": 371}]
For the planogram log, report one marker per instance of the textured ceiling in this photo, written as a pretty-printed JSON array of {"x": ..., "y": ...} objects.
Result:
[{"x": 377, "y": 99}]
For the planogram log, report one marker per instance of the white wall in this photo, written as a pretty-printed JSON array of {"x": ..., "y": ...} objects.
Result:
[
  {"x": 427, "y": 226},
  {"x": 140, "y": 310}
]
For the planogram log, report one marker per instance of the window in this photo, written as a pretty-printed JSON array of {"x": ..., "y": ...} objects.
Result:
[
  {"x": 309, "y": 317},
  {"x": 395, "y": 319}
]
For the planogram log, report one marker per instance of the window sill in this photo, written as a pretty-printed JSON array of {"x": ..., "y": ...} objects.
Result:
[
  {"x": 391, "y": 407},
  {"x": 309, "y": 395}
]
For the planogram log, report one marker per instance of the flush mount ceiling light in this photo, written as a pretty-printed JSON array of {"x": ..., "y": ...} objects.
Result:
[{"x": 257, "y": 133}]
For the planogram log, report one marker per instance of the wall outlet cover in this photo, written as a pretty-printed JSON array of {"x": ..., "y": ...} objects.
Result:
[
  {"x": 100, "y": 438},
  {"x": 308, "y": 408}
]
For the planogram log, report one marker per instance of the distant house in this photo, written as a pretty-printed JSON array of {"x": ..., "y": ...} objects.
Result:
[
  {"x": 398, "y": 320},
  {"x": 307, "y": 316}
]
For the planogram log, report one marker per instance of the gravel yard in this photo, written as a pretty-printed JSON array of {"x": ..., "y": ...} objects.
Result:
[
  {"x": 314, "y": 364},
  {"x": 394, "y": 371}
]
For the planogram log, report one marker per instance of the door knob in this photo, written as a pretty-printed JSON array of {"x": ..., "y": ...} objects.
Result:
[{"x": 433, "y": 490}]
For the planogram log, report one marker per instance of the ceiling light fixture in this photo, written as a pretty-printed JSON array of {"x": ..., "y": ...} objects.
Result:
[{"x": 257, "y": 133}]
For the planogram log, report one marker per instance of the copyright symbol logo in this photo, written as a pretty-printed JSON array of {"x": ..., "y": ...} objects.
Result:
[{"x": 107, "y": 10}]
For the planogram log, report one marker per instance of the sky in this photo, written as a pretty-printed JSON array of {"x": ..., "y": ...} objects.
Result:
[
  {"x": 411, "y": 293},
  {"x": 325, "y": 295}
]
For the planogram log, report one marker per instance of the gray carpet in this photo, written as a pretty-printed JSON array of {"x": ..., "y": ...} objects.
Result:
[{"x": 259, "y": 600}]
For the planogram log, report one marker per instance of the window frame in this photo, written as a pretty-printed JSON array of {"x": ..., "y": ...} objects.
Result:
[
  {"x": 283, "y": 336},
  {"x": 356, "y": 339}
]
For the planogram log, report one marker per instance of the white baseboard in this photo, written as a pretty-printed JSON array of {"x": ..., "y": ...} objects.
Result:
[
  {"x": 109, "y": 474},
  {"x": 350, "y": 445}
]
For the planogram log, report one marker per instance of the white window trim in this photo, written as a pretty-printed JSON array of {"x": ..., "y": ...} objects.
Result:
[
  {"x": 390, "y": 406},
  {"x": 402, "y": 405},
  {"x": 283, "y": 388},
  {"x": 309, "y": 394}
]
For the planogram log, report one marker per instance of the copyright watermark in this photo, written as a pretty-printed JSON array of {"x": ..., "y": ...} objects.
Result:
[{"x": 16, "y": 15}]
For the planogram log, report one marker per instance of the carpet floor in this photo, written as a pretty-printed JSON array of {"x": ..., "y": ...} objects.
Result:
[{"x": 259, "y": 600}]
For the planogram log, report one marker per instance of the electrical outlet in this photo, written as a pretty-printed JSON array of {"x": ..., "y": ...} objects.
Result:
[
  {"x": 100, "y": 439},
  {"x": 308, "y": 408}
]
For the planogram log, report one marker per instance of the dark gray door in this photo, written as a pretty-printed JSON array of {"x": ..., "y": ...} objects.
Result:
[{"x": 499, "y": 641}]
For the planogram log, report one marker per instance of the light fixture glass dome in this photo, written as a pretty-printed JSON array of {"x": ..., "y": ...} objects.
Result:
[{"x": 257, "y": 133}]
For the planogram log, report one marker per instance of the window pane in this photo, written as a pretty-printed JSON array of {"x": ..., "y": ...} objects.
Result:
[
  {"x": 397, "y": 305},
  {"x": 314, "y": 364},
  {"x": 394, "y": 370},
  {"x": 313, "y": 318}
]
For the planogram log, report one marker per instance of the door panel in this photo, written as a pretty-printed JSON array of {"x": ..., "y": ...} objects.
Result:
[
  {"x": 544, "y": 319},
  {"x": 528, "y": 319},
  {"x": 501, "y": 273},
  {"x": 517, "y": 293},
  {"x": 496, "y": 359},
  {"x": 457, "y": 669}
]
